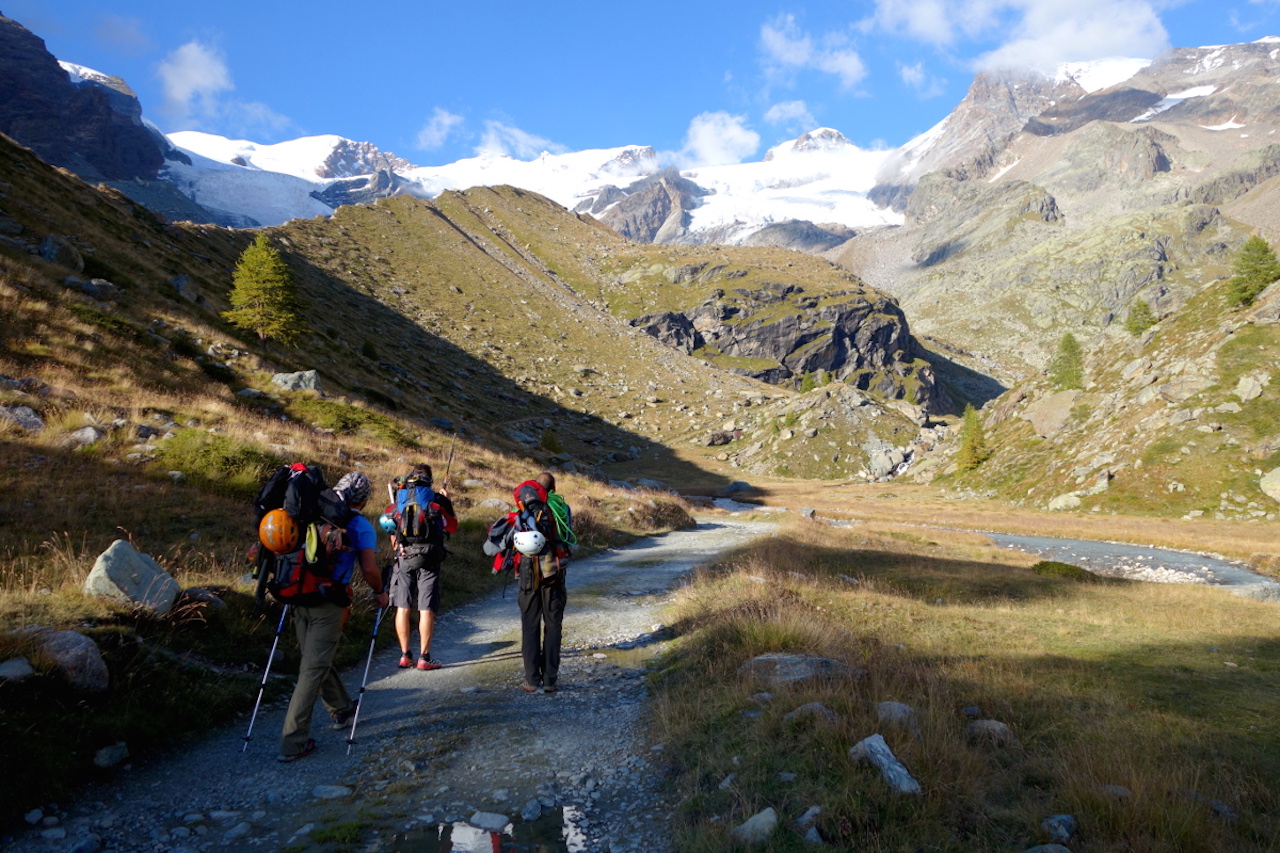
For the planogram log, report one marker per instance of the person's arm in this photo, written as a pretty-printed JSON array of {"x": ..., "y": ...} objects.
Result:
[{"x": 372, "y": 575}]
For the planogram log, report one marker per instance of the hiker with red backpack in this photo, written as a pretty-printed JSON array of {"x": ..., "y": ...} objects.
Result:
[
  {"x": 534, "y": 542},
  {"x": 419, "y": 520},
  {"x": 314, "y": 580}
]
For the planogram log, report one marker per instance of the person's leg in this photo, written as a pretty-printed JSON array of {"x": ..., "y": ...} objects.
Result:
[
  {"x": 401, "y": 594},
  {"x": 428, "y": 602},
  {"x": 555, "y": 597},
  {"x": 318, "y": 629},
  {"x": 531, "y": 636}
]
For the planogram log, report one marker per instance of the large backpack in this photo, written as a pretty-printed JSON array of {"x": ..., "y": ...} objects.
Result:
[
  {"x": 533, "y": 513},
  {"x": 310, "y": 575},
  {"x": 418, "y": 518}
]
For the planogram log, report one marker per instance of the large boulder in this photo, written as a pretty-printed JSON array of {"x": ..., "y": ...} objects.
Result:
[
  {"x": 122, "y": 573},
  {"x": 303, "y": 380},
  {"x": 1050, "y": 414}
]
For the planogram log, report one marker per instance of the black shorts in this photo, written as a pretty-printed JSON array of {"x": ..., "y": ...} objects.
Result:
[{"x": 415, "y": 583}]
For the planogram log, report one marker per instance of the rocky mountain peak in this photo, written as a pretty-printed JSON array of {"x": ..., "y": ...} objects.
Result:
[
  {"x": 822, "y": 139},
  {"x": 351, "y": 159},
  {"x": 92, "y": 126}
]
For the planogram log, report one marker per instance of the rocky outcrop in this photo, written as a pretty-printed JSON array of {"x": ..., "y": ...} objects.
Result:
[
  {"x": 1111, "y": 155},
  {"x": 1246, "y": 173},
  {"x": 956, "y": 216},
  {"x": 655, "y": 209},
  {"x": 776, "y": 332},
  {"x": 91, "y": 127},
  {"x": 350, "y": 159},
  {"x": 800, "y": 236},
  {"x": 364, "y": 189}
]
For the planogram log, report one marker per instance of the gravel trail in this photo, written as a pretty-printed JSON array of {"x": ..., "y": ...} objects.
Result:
[{"x": 440, "y": 758}]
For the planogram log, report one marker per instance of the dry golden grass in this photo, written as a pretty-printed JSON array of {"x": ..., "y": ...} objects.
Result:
[{"x": 1167, "y": 690}]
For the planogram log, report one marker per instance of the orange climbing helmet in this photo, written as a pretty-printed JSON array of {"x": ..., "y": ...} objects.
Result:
[{"x": 278, "y": 532}]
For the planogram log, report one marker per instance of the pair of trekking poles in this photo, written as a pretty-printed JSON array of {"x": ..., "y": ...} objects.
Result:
[{"x": 266, "y": 672}]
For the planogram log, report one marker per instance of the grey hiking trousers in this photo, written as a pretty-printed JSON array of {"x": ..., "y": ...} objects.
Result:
[{"x": 318, "y": 629}]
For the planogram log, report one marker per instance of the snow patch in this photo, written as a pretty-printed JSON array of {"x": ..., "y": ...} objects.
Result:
[
  {"x": 1171, "y": 101},
  {"x": 998, "y": 175},
  {"x": 1227, "y": 125},
  {"x": 1101, "y": 73}
]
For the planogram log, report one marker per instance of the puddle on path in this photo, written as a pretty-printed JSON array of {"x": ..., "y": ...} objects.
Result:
[{"x": 557, "y": 831}]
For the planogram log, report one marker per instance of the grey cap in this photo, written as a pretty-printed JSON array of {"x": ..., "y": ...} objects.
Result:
[{"x": 354, "y": 487}]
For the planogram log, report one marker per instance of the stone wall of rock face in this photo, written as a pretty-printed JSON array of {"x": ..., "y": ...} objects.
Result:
[
  {"x": 787, "y": 332},
  {"x": 91, "y": 130}
]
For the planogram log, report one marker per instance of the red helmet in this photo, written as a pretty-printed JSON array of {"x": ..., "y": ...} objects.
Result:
[{"x": 278, "y": 532}]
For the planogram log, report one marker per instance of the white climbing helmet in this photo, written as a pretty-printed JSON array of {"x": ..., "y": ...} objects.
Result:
[{"x": 530, "y": 542}]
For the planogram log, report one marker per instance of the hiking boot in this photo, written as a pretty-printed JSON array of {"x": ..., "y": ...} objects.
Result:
[
  {"x": 341, "y": 718},
  {"x": 405, "y": 660},
  {"x": 428, "y": 662},
  {"x": 307, "y": 749}
]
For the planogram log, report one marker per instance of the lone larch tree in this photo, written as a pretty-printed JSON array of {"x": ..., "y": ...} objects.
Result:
[
  {"x": 1255, "y": 268},
  {"x": 263, "y": 295}
]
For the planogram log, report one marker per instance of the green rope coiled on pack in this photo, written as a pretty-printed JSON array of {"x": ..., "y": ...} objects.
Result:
[{"x": 560, "y": 512}]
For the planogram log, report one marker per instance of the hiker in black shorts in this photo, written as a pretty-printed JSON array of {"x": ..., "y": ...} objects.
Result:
[{"x": 423, "y": 517}]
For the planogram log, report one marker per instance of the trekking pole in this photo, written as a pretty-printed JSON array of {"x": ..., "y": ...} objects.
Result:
[
  {"x": 448, "y": 466},
  {"x": 355, "y": 718},
  {"x": 284, "y": 612}
]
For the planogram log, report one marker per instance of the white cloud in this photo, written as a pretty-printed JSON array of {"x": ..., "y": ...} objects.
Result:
[
  {"x": 788, "y": 49},
  {"x": 1035, "y": 33},
  {"x": 193, "y": 76},
  {"x": 716, "y": 139},
  {"x": 791, "y": 115},
  {"x": 502, "y": 138},
  {"x": 925, "y": 84},
  {"x": 196, "y": 82},
  {"x": 436, "y": 131}
]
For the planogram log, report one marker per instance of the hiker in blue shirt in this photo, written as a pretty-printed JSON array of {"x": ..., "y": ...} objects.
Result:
[{"x": 320, "y": 625}]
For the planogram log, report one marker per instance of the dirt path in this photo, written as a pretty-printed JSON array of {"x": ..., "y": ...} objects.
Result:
[{"x": 455, "y": 752}]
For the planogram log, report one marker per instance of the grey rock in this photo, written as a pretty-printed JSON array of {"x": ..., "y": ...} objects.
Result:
[
  {"x": 1048, "y": 416},
  {"x": 813, "y": 837},
  {"x": 101, "y": 289},
  {"x": 250, "y": 393},
  {"x": 78, "y": 659},
  {"x": 734, "y": 488},
  {"x": 1270, "y": 484},
  {"x": 494, "y": 503},
  {"x": 185, "y": 287},
  {"x": 303, "y": 380},
  {"x": 441, "y": 423},
  {"x": 23, "y": 416},
  {"x": 776, "y": 669},
  {"x": 653, "y": 485},
  {"x": 110, "y": 756},
  {"x": 15, "y": 670},
  {"x": 330, "y": 792},
  {"x": 1061, "y": 828},
  {"x": 809, "y": 818},
  {"x": 813, "y": 710},
  {"x": 489, "y": 821},
  {"x": 122, "y": 573},
  {"x": 240, "y": 830},
  {"x": 873, "y": 750},
  {"x": 1071, "y": 500},
  {"x": 756, "y": 829},
  {"x": 58, "y": 250},
  {"x": 898, "y": 714},
  {"x": 990, "y": 732},
  {"x": 531, "y": 811},
  {"x": 84, "y": 437}
]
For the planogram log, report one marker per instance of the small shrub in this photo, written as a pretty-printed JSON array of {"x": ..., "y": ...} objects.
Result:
[
  {"x": 1140, "y": 317},
  {"x": 218, "y": 460},
  {"x": 1054, "y": 569}
]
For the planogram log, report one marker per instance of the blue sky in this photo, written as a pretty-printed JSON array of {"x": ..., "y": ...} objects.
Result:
[{"x": 703, "y": 81}]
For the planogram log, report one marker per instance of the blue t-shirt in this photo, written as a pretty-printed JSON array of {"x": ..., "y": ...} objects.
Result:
[{"x": 362, "y": 535}]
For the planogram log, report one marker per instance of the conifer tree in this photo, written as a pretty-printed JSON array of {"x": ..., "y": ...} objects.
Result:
[
  {"x": 1140, "y": 317},
  {"x": 973, "y": 443},
  {"x": 1066, "y": 369},
  {"x": 1255, "y": 268},
  {"x": 263, "y": 295}
]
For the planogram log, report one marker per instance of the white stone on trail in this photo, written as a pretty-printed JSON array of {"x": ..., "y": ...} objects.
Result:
[{"x": 489, "y": 821}]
